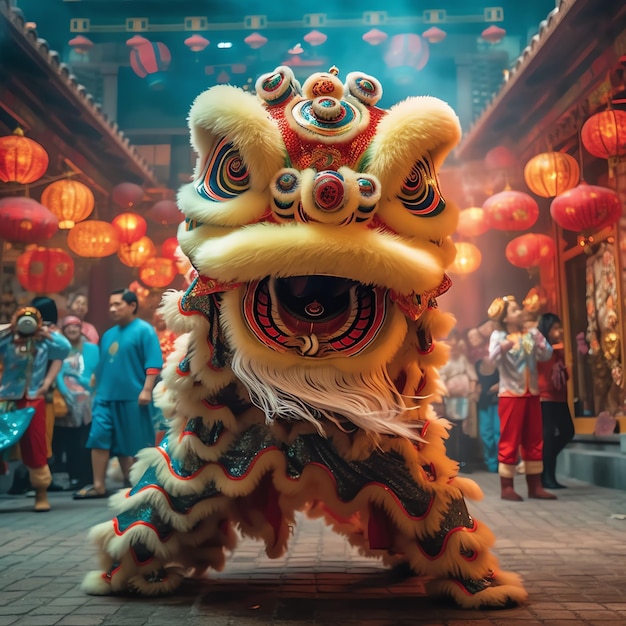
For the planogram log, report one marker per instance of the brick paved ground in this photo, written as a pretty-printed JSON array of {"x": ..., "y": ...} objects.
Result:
[{"x": 571, "y": 554}]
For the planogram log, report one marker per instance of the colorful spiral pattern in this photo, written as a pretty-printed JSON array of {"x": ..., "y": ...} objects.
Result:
[
  {"x": 420, "y": 192},
  {"x": 225, "y": 175}
]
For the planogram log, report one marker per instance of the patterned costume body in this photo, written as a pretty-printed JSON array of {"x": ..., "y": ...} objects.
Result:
[{"x": 306, "y": 360}]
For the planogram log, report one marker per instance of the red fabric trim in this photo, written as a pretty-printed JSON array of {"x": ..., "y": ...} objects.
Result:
[{"x": 153, "y": 370}]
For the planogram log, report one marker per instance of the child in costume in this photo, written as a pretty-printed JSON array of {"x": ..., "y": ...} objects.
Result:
[
  {"x": 516, "y": 352},
  {"x": 488, "y": 419},
  {"x": 308, "y": 352},
  {"x": 558, "y": 428}
]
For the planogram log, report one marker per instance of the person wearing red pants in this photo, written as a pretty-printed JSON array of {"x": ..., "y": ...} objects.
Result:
[
  {"x": 25, "y": 349},
  {"x": 516, "y": 353}
]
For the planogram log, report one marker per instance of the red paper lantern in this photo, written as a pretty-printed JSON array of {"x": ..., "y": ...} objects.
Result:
[
  {"x": 69, "y": 200},
  {"x": 197, "y": 43},
  {"x": 81, "y": 44},
  {"x": 137, "y": 253},
  {"x": 434, "y": 34},
  {"x": 44, "y": 270},
  {"x": 406, "y": 55},
  {"x": 93, "y": 239},
  {"x": 136, "y": 40},
  {"x": 493, "y": 34},
  {"x": 130, "y": 227},
  {"x": 374, "y": 37},
  {"x": 467, "y": 260},
  {"x": 472, "y": 222},
  {"x": 165, "y": 212},
  {"x": 315, "y": 38},
  {"x": 150, "y": 61},
  {"x": 586, "y": 208},
  {"x": 604, "y": 134},
  {"x": 500, "y": 158},
  {"x": 157, "y": 272},
  {"x": 24, "y": 220},
  {"x": 511, "y": 210},
  {"x": 22, "y": 160},
  {"x": 127, "y": 195},
  {"x": 551, "y": 173},
  {"x": 529, "y": 250},
  {"x": 168, "y": 248},
  {"x": 255, "y": 40}
]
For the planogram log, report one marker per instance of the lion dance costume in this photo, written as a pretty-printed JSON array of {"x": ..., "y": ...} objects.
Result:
[{"x": 306, "y": 359}]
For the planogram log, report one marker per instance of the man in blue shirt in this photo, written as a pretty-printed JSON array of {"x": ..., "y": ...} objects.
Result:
[
  {"x": 130, "y": 361},
  {"x": 26, "y": 347}
]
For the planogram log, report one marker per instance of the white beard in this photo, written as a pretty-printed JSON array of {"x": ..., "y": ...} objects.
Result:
[{"x": 369, "y": 400}]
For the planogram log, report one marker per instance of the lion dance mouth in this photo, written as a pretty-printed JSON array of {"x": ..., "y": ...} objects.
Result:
[
  {"x": 309, "y": 346},
  {"x": 315, "y": 316}
]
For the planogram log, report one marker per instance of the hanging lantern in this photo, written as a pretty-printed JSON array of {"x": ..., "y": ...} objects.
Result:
[
  {"x": 130, "y": 227},
  {"x": 255, "y": 41},
  {"x": 223, "y": 77},
  {"x": 315, "y": 38},
  {"x": 467, "y": 260},
  {"x": 157, "y": 272},
  {"x": 472, "y": 222},
  {"x": 81, "y": 44},
  {"x": 374, "y": 37},
  {"x": 604, "y": 134},
  {"x": 93, "y": 238},
  {"x": 24, "y": 220},
  {"x": 500, "y": 158},
  {"x": 586, "y": 208},
  {"x": 137, "y": 253},
  {"x": 22, "y": 160},
  {"x": 136, "y": 41},
  {"x": 44, "y": 270},
  {"x": 530, "y": 250},
  {"x": 511, "y": 210},
  {"x": 197, "y": 43},
  {"x": 407, "y": 54},
  {"x": 434, "y": 35},
  {"x": 127, "y": 195},
  {"x": 69, "y": 200},
  {"x": 168, "y": 248},
  {"x": 150, "y": 61},
  {"x": 493, "y": 34},
  {"x": 551, "y": 173},
  {"x": 165, "y": 212}
]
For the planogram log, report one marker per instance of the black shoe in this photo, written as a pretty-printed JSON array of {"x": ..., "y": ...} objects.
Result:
[
  {"x": 21, "y": 482},
  {"x": 552, "y": 484},
  {"x": 55, "y": 487}
]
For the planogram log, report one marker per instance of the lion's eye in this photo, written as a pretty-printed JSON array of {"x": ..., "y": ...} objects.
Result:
[
  {"x": 420, "y": 192},
  {"x": 225, "y": 175}
]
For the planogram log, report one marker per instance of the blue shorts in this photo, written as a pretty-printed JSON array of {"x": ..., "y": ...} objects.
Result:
[{"x": 123, "y": 427}]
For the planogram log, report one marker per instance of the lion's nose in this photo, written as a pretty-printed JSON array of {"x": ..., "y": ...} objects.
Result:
[{"x": 329, "y": 192}]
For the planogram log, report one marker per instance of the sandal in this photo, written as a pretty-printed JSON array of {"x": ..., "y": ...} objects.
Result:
[{"x": 89, "y": 493}]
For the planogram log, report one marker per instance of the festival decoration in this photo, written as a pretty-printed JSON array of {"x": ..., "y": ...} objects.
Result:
[
  {"x": 315, "y": 38},
  {"x": 24, "y": 220},
  {"x": 81, "y": 44},
  {"x": 157, "y": 272},
  {"x": 406, "y": 55},
  {"x": 168, "y": 248},
  {"x": 472, "y": 222},
  {"x": 604, "y": 134},
  {"x": 586, "y": 208},
  {"x": 136, "y": 41},
  {"x": 197, "y": 43},
  {"x": 500, "y": 158},
  {"x": 93, "y": 239},
  {"x": 44, "y": 270},
  {"x": 493, "y": 34},
  {"x": 151, "y": 61},
  {"x": 69, "y": 200},
  {"x": 130, "y": 227},
  {"x": 127, "y": 195},
  {"x": 510, "y": 210},
  {"x": 374, "y": 37},
  {"x": 165, "y": 212},
  {"x": 468, "y": 258},
  {"x": 135, "y": 254},
  {"x": 255, "y": 41},
  {"x": 434, "y": 34},
  {"x": 530, "y": 250},
  {"x": 22, "y": 160},
  {"x": 551, "y": 173},
  {"x": 311, "y": 348}
]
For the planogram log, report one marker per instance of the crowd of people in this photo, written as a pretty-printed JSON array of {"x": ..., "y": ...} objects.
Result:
[
  {"x": 73, "y": 400},
  {"x": 506, "y": 381}
]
